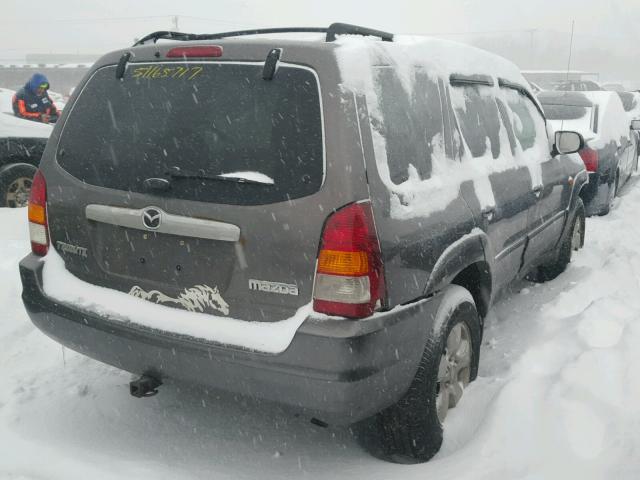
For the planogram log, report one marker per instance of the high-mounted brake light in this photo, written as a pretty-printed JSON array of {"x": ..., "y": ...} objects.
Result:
[
  {"x": 350, "y": 273},
  {"x": 590, "y": 159},
  {"x": 38, "y": 225},
  {"x": 195, "y": 52}
]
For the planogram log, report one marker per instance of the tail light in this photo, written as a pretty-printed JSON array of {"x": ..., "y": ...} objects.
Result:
[
  {"x": 38, "y": 225},
  {"x": 590, "y": 159},
  {"x": 195, "y": 52},
  {"x": 350, "y": 274}
]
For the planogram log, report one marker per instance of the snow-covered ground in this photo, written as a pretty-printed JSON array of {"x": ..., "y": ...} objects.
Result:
[{"x": 557, "y": 397}]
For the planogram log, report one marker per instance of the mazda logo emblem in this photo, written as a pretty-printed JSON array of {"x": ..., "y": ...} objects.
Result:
[{"x": 152, "y": 218}]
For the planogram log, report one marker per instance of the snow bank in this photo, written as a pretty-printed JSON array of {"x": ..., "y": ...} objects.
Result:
[
  {"x": 12, "y": 126},
  {"x": 269, "y": 337},
  {"x": 556, "y": 396},
  {"x": 359, "y": 58}
]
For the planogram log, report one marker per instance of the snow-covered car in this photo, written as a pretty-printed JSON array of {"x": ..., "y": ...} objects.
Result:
[
  {"x": 614, "y": 87},
  {"x": 610, "y": 152},
  {"x": 22, "y": 143},
  {"x": 577, "y": 86},
  {"x": 320, "y": 223},
  {"x": 631, "y": 105}
]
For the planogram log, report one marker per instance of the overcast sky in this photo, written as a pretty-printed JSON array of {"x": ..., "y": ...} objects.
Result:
[{"x": 82, "y": 26}]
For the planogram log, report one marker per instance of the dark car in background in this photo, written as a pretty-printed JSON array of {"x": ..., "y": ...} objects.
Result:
[
  {"x": 22, "y": 143},
  {"x": 610, "y": 152},
  {"x": 210, "y": 187},
  {"x": 19, "y": 158}
]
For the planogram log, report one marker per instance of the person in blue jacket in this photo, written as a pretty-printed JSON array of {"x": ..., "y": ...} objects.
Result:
[{"x": 33, "y": 102}]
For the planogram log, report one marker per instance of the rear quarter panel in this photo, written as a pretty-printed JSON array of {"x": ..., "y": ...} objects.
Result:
[{"x": 411, "y": 247}]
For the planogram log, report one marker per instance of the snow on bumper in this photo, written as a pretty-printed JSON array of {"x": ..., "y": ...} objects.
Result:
[
  {"x": 340, "y": 370},
  {"x": 268, "y": 337}
]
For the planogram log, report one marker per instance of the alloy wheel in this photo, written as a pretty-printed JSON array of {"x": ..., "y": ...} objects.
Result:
[
  {"x": 454, "y": 371},
  {"x": 18, "y": 192}
]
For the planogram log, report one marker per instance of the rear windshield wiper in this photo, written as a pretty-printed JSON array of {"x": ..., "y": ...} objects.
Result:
[{"x": 177, "y": 172}]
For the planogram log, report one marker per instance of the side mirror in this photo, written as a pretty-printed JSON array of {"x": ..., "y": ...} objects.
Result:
[
  {"x": 635, "y": 125},
  {"x": 568, "y": 142}
]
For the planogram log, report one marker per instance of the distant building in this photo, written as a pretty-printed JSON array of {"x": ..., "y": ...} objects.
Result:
[
  {"x": 60, "y": 58},
  {"x": 64, "y": 71}
]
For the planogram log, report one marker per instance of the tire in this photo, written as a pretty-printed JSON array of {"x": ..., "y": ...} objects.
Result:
[
  {"x": 411, "y": 430},
  {"x": 15, "y": 184},
  {"x": 573, "y": 240},
  {"x": 613, "y": 192}
]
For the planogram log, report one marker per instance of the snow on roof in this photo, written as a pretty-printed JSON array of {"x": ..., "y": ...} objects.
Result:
[
  {"x": 356, "y": 55},
  {"x": 570, "y": 72},
  {"x": 562, "y": 97}
]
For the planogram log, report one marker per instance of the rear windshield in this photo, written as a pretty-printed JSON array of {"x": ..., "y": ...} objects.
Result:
[
  {"x": 205, "y": 119},
  {"x": 565, "y": 112}
]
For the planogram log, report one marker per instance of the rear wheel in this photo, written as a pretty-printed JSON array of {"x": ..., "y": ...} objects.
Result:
[
  {"x": 411, "y": 430},
  {"x": 15, "y": 184},
  {"x": 573, "y": 241}
]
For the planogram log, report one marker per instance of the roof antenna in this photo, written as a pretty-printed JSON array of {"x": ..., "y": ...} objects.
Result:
[{"x": 573, "y": 25}]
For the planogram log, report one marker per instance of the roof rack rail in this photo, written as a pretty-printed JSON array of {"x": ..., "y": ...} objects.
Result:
[
  {"x": 503, "y": 83},
  {"x": 332, "y": 32}
]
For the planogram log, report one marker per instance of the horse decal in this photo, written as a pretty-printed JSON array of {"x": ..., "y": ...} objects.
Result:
[{"x": 194, "y": 299}]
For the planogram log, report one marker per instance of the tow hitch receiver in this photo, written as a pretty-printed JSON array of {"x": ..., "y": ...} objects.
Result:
[{"x": 145, "y": 386}]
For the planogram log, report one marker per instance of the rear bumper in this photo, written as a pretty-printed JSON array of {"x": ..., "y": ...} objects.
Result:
[{"x": 340, "y": 371}]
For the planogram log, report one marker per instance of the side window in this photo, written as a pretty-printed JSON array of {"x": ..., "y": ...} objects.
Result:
[
  {"x": 523, "y": 119},
  {"x": 454, "y": 147},
  {"x": 427, "y": 114},
  {"x": 504, "y": 115},
  {"x": 479, "y": 120},
  {"x": 411, "y": 124}
]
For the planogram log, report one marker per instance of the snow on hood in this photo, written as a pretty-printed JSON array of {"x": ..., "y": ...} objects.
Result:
[
  {"x": 12, "y": 126},
  {"x": 358, "y": 58}
]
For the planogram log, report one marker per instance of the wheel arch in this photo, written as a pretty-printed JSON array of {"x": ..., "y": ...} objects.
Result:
[
  {"x": 579, "y": 182},
  {"x": 464, "y": 263}
]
